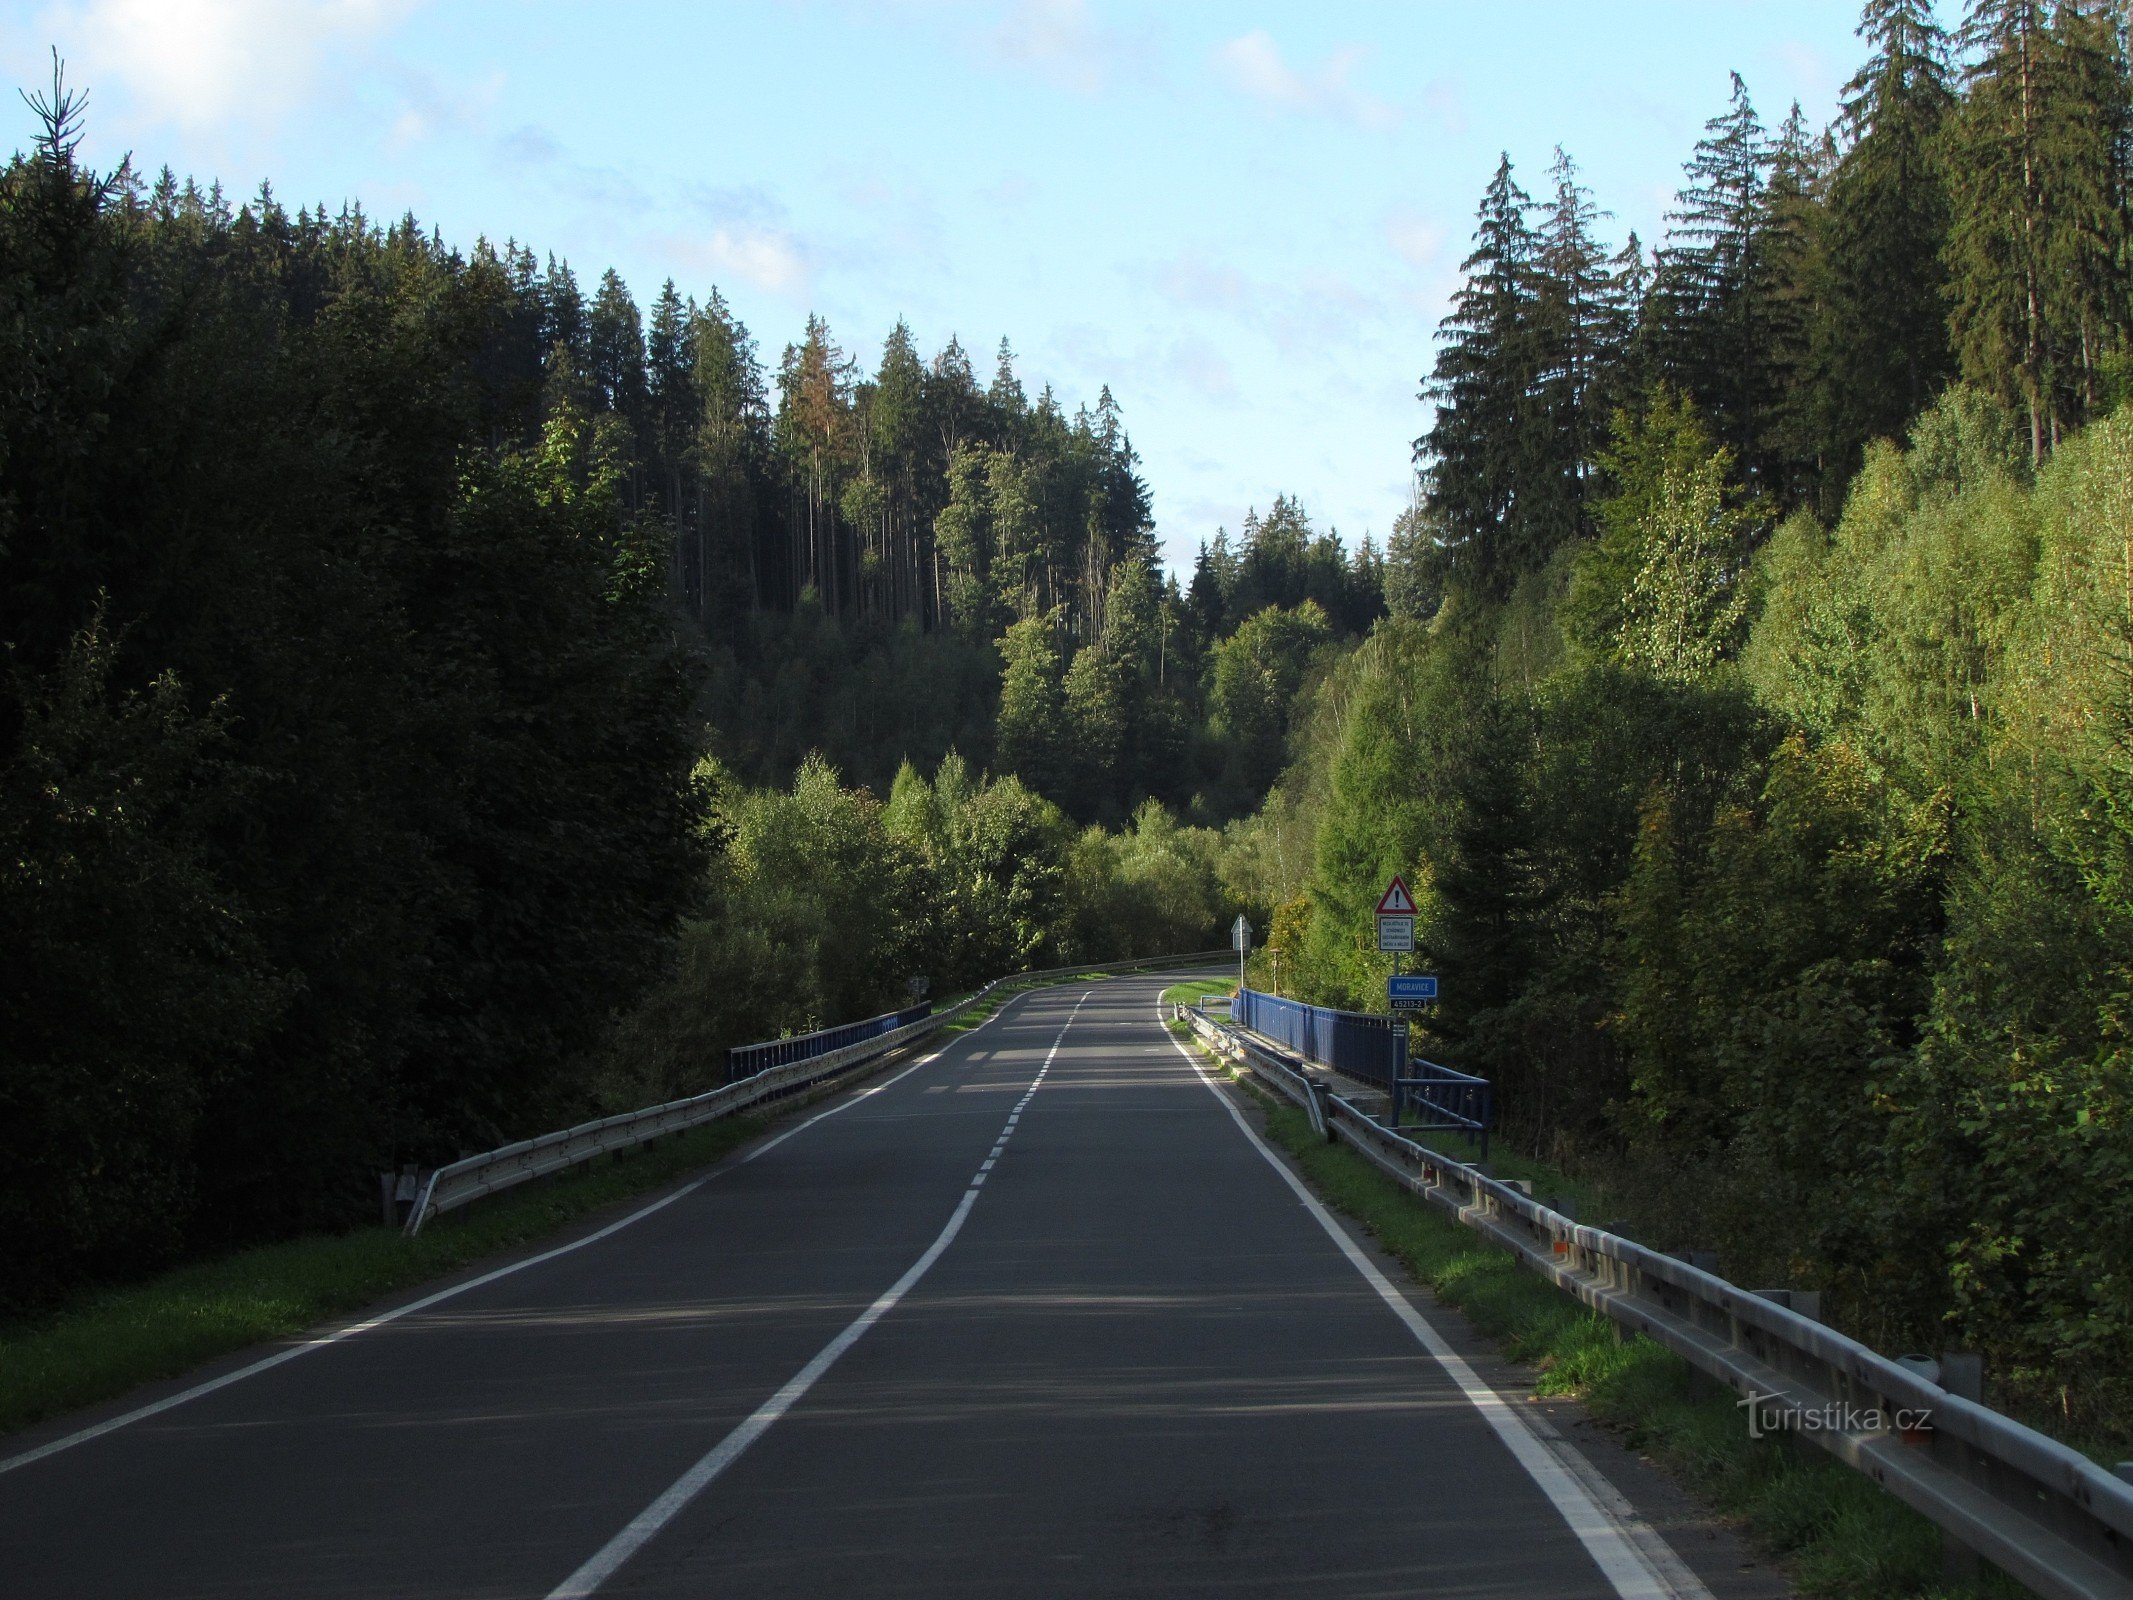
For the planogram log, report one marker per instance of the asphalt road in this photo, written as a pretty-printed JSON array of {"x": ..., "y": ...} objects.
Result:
[{"x": 1034, "y": 1317}]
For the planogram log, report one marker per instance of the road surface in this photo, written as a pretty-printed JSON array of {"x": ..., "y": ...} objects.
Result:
[{"x": 1037, "y": 1315}]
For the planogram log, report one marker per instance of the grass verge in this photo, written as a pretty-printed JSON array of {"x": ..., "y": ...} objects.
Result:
[
  {"x": 166, "y": 1325},
  {"x": 1193, "y": 990},
  {"x": 1837, "y": 1533}
]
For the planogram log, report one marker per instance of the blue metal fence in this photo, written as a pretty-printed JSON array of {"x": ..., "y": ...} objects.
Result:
[
  {"x": 1373, "y": 1049},
  {"x": 1444, "y": 1101},
  {"x": 746, "y": 1060}
]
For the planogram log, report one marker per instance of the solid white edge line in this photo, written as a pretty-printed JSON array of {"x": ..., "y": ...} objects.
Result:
[
  {"x": 306, "y": 1345},
  {"x": 645, "y": 1526},
  {"x": 1612, "y": 1542}
]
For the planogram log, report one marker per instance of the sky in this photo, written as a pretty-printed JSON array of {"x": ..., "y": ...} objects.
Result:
[{"x": 1246, "y": 219}]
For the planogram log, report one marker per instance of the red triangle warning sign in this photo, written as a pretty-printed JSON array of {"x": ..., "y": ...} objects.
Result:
[{"x": 1397, "y": 902}]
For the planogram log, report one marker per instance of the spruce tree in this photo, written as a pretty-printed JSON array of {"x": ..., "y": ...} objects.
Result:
[
  {"x": 1881, "y": 335},
  {"x": 898, "y": 423},
  {"x": 563, "y": 327},
  {"x": 1471, "y": 459},
  {"x": 1785, "y": 279},
  {"x": 1711, "y": 338},
  {"x": 1579, "y": 337},
  {"x": 730, "y": 451},
  {"x": 1006, "y": 398},
  {"x": 2086, "y": 127},
  {"x": 615, "y": 338},
  {"x": 670, "y": 380},
  {"x": 2037, "y": 246}
]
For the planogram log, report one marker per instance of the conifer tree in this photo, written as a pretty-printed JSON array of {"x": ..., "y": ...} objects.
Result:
[
  {"x": 962, "y": 533},
  {"x": 1005, "y": 396},
  {"x": 1471, "y": 458},
  {"x": 1881, "y": 339},
  {"x": 897, "y": 420},
  {"x": 563, "y": 326},
  {"x": 2087, "y": 125},
  {"x": 615, "y": 341},
  {"x": 670, "y": 380},
  {"x": 1093, "y": 749},
  {"x": 952, "y": 398},
  {"x": 1578, "y": 340},
  {"x": 1711, "y": 338},
  {"x": 730, "y": 450},
  {"x": 1785, "y": 279},
  {"x": 2036, "y": 249}
]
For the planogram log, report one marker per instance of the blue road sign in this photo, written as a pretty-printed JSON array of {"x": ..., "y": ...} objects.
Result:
[{"x": 1415, "y": 989}]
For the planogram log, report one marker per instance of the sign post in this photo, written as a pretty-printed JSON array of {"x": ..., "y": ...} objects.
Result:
[
  {"x": 1396, "y": 934},
  {"x": 1240, "y": 940}
]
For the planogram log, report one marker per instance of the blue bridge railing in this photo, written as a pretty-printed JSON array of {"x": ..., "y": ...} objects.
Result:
[
  {"x": 1373, "y": 1049},
  {"x": 746, "y": 1060},
  {"x": 1444, "y": 1101}
]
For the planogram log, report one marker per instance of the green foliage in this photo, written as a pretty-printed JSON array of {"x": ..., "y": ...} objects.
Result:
[
  {"x": 344, "y": 724},
  {"x": 1814, "y": 938},
  {"x": 1661, "y": 589},
  {"x": 1032, "y": 727},
  {"x": 1148, "y": 890},
  {"x": 822, "y": 902},
  {"x": 1253, "y": 679}
]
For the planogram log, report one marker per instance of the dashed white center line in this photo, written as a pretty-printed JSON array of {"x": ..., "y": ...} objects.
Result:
[{"x": 611, "y": 1556}]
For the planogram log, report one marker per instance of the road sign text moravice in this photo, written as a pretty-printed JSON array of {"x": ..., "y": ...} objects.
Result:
[{"x": 1410, "y": 992}]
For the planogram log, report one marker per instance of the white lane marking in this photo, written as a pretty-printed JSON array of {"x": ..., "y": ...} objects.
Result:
[
  {"x": 1615, "y": 1542},
  {"x": 305, "y": 1347},
  {"x": 609, "y": 1559}
]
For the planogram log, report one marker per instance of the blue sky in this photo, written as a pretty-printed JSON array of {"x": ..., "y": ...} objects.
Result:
[{"x": 1246, "y": 219}]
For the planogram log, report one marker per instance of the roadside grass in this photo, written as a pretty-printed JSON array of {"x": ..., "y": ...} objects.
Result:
[
  {"x": 114, "y": 1340},
  {"x": 1837, "y": 1534},
  {"x": 1191, "y": 993}
]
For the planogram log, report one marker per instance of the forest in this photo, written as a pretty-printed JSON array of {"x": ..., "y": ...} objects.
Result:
[
  {"x": 440, "y": 702},
  {"x": 1754, "y": 711}
]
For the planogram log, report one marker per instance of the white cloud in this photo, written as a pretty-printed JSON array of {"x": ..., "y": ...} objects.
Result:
[
  {"x": 1060, "y": 41},
  {"x": 201, "y": 63},
  {"x": 764, "y": 258},
  {"x": 1253, "y": 65}
]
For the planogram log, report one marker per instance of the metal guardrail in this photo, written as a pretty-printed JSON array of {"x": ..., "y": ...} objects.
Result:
[
  {"x": 464, "y": 1181},
  {"x": 746, "y": 1060},
  {"x": 1372, "y": 1049},
  {"x": 2041, "y": 1512}
]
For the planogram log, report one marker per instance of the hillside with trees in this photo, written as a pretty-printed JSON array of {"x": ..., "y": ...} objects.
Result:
[
  {"x": 1753, "y": 716},
  {"x": 440, "y": 703}
]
